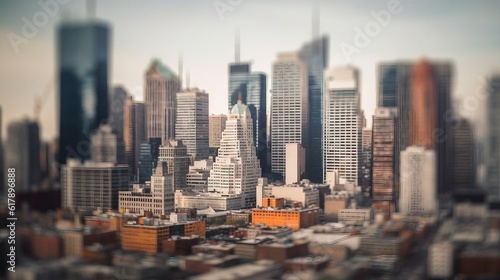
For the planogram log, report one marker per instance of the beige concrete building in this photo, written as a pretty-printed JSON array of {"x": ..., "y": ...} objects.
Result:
[
  {"x": 295, "y": 163},
  {"x": 216, "y": 125},
  {"x": 333, "y": 204},
  {"x": 301, "y": 194}
]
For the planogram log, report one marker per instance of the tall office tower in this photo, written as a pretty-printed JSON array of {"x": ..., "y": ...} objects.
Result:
[
  {"x": 342, "y": 126},
  {"x": 252, "y": 87},
  {"x": 315, "y": 54},
  {"x": 106, "y": 146},
  {"x": 418, "y": 181},
  {"x": 236, "y": 170},
  {"x": 216, "y": 125},
  {"x": 22, "y": 152},
  {"x": 492, "y": 145},
  {"x": 365, "y": 174},
  {"x": 295, "y": 163},
  {"x": 149, "y": 152},
  {"x": 162, "y": 85},
  {"x": 289, "y": 108},
  {"x": 82, "y": 57},
  {"x": 192, "y": 122},
  {"x": 162, "y": 188},
  {"x": 134, "y": 132},
  {"x": 383, "y": 158},
  {"x": 395, "y": 91},
  {"x": 118, "y": 98},
  {"x": 174, "y": 152},
  {"x": 463, "y": 165},
  {"x": 423, "y": 106},
  {"x": 92, "y": 185}
]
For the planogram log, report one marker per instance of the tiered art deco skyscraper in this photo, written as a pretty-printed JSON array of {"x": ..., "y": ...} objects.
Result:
[
  {"x": 162, "y": 85},
  {"x": 82, "y": 57},
  {"x": 236, "y": 170}
]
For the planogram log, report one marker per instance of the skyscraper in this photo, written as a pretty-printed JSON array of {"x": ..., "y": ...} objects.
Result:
[
  {"x": 463, "y": 164},
  {"x": 162, "y": 85},
  {"x": 134, "y": 130},
  {"x": 342, "y": 126},
  {"x": 92, "y": 185},
  {"x": 252, "y": 87},
  {"x": 383, "y": 159},
  {"x": 174, "y": 153},
  {"x": 418, "y": 181},
  {"x": 289, "y": 108},
  {"x": 149, "y": 152},
  {"x": 236, "y": 170},
  {"x": 216, "y": 125},
  {"x": 315, "y": 54},
  {"x": 492, "y": 145},
  {"x": 106, "y": 146},
  {"x": 423, "y": 106},
  {"x": 118, "y": 98},
  {"x": 82, "y": 57},
  {"x": 22, "y": 152},
  {"x": 365, "y": 173},
  {"x": 192, "y": 122}
]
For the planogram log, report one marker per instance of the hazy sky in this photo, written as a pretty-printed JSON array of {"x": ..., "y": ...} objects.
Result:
[{"x": 465, "y": 32}]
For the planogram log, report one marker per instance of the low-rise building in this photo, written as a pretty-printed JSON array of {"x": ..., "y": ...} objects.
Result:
[
  {"x": 334, "y": 203},
  {"x": 186, "y": 199},
  {"x": 295, "y": 218},
  {"x": 300, "y": 195},
  {"x": 355, "y": 215}
]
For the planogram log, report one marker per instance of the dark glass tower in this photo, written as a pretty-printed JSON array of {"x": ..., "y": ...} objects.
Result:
[
  {"x": 148, "y": 158},
  {"x": 315, "y": 53},
  {"x": 82, "y": 54},
  {"x": 252, "y": 86}
]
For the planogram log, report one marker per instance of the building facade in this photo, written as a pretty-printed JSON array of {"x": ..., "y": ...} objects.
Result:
[
  {"x": 463, "y": 163},
  {"x": 174, "y": 152},
  {"x": 118, "y": 98},
  {"x": 418, "y": 181},
  {"x": 295, "y": 163},
  {"x": 492, "y": 149},
  {"x": 162, "y": 85},
  {"x": 107, "y": 146},
  {"x": 148, "y": 158},
  {"x": 216, "y": 125},
  {"x": 289, "y": 109},
  {"x": 92, "y": 186},
  {"x": 342, "y": 123},
  {"x": 192, "y": 122}
]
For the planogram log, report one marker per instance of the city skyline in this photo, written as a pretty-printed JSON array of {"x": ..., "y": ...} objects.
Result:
[{"x": 471, "y": 50}]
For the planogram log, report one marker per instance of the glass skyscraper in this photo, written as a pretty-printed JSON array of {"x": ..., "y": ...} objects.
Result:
[
  {"x": 315, "y": 54},
  {"x": 83, "y": 53},
  {"x": 252, "y": 86},
  {"x": 148, "y": 158}
]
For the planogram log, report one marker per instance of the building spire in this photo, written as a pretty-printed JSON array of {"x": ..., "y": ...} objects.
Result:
[
  {"x": 240, "y": 97},
  {"x": 237, "y": 46},
  {"x": 180, "y": 70}
]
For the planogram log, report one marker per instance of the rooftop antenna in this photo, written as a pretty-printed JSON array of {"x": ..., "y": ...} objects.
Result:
[
  {"x": 187, "y": 78},
  {"x": 237, "y": 46},
  {"x": 315, "y": 19},
  {"x": 180, "y": 69},
  {"x": 91, "y": 9}
]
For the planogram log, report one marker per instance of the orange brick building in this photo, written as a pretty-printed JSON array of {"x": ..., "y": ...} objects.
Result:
[
  {"x": 273, "y": 202},
  {"x": 149, "y": 239},
  {"x": 293, "y": 218}
]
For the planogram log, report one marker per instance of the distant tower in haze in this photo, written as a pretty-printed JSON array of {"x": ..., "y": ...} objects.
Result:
[
  {"x": 22, "y": 152},
  {"x": 106, "y": 146},
  {"x": 342, "y": 144},
  {"x": 162, "y": 85},
  {"x": 424, "y": 106},
  {"x": 315, "y": 54},
  {"x": 192, "y": 122},
  {"x": 82, "y": 59},
  {"x": 289, "y": 108},
  {"x": 492, "y": 143},
  {"x": 118, "y": 98}
]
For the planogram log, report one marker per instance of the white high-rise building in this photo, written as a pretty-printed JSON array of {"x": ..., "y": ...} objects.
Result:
[
  {"x": 192, "y": 122},
  {"x": 162, "y": 85},
  {"x": 342, "y": 123},
  {"x": 237, "y": 169},
  {"x": 418, "y": 181},
  {"x": 295, "y": 163},
  {"x": 289, "y": 108},
  {"x": 92, "y": 185}
]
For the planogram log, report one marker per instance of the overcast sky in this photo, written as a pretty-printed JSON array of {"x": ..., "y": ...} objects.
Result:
[{"x": 464, "y": 32}]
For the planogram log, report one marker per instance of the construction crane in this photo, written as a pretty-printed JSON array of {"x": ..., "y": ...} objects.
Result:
[{"x": 40, "y": 100}]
